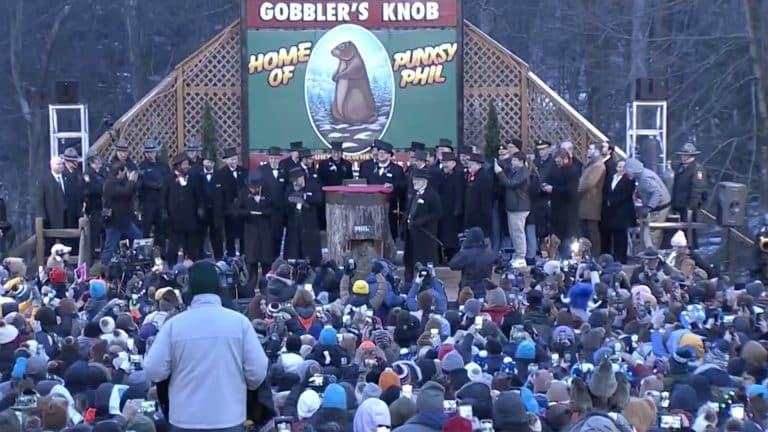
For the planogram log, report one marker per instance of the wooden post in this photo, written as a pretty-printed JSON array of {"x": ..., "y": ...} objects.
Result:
[
  {"x": 84, "y": 255},
  {"x": 356, "y": 219},
  {"x": 524, "y": 123},
  {"x": 39, "y": 242},
  {"x": 179, "y": 111}
]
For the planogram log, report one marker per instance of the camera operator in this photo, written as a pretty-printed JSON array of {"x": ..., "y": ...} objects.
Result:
[
  {"x": 475, "y": 261},
  {"x": 119, "y": 191},
  {"x": 327, "y": 279},
  {"x": 425, "y": 280}
]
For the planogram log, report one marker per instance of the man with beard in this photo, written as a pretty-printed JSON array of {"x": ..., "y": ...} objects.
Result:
[
  {"x": 153, "y": 178},
  {"x": 562, "y": 186},
  {"x": 367, "y": 166},
  {"x": 514, "y": 177},
  {"x": 184, "y": 210},
  {"x": 273, "y": 182},
  {"x": 390, "y": 174},
  {"x": 465, "y": 152},
  {"x": 119, "y": 191},
  {"x": 121, "y": 154},
  {"x": 74, "y": 189},
  {"x": 293, "y": 158},
  {"x": 302, "y": 235},
  {"x": 688, "y": 188},
  {"x": 451, "y": 190},
  {"x": 424, "y": 211},
  {"x": 211, "y": 192},
  {"x": 192, "y": 148},
  {"x": 255, "y": 205},
  {"x": 94, "y": 178},
  {"x": 478, "y": 198},
  {"x": 232, "y": 177},
  {"x": 591, "y": 197},
  {"x": 334, "y": 170}
]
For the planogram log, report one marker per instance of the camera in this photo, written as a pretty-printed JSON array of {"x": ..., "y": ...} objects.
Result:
[{"x": 283, "y": 424}]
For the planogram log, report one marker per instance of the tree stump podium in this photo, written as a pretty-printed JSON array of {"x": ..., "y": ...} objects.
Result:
[{"x": 357, "y": 216}]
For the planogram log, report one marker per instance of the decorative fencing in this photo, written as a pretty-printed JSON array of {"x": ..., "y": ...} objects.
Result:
[{"x": 172, "y": 111}]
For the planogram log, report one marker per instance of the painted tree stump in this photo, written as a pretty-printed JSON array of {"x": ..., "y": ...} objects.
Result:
[{"x": 357, "y": 216}]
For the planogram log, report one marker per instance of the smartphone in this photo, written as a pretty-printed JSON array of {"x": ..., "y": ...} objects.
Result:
[
  {"x": 728, "y": 320},
  {"x": 669, "y": 422},
  {"x": 131, "y": 345},
  {"x": 466, "y": 411},
  {"x": 308, "y": 287},
  {"x": 369, "y": 314},
  {"x": 479, "y": 322},
  {"x": 434, "y": 332},
  {"x": 383, "y": 428},
  {"x": 664, "y": 403},
  {"x": 283, "y": 424},
  {"x": 317, "y": 381},
  {"x": 555, "y": 359},
  {"x": 148, "y": 407},
  {"x": 136, "y": 360},
  {"x": 737, "y": 411},
  {"x": 617, "y": 348},
  {"x": 486, "y": 425},
  {"x": 449, "y": 406},
  {"x": 568, "y": 358},
  {"x": 714, "y": 406},
  {"x": 408, "y": 391},
  {"x": 532, "y": 368},
  {"x": 634, "y": 339}
]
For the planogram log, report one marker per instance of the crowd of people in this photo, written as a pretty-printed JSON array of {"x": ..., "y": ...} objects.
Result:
[{"x": 541, "y": 337}]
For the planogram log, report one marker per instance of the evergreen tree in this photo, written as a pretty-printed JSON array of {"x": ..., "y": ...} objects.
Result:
[
  {"x": 492, "y": 134},
  {"x": 208, "y": 132}
]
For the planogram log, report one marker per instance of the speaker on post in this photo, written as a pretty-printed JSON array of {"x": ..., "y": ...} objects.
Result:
[
  {"x": 731, "y": 204},
  {"x": 650, "y": 89},
  {"x": 65, "y": 92}
]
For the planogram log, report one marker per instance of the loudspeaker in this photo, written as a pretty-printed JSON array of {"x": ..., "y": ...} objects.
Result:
[
  {"x": 66, "y": 92},
  {"x": 731, "y": 203},
  {"x": 650, "y": 89}
]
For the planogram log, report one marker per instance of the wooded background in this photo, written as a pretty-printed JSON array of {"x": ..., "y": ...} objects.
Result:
[{"x": 713, "y": 55}]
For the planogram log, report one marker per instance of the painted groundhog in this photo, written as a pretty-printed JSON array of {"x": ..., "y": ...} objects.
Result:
[{"x": 353, "y": 102}]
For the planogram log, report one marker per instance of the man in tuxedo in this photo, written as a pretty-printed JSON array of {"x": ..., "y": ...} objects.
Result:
[
  {"x": 368, "y": 165},
  {"x": 52, "y": 205},
  {"x": 211, "y": 191},
  {"x": 274, "y": 183},
  {"x": 424, "y": 211},
  {"x": 233, "y": 178},
  {"x": 334, "y": 170},
  {"x": 451, "y": 190},
  {"x": 292, "y": 160},
  {"x": 302, "y": 235},
  {"x": 307, "y": 164},
  {"x": 184, "y": 210},
  {"x": 388, "y": 173},
  {"x": 478, "y": 198}
]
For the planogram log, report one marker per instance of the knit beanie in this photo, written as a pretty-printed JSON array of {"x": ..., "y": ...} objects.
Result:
[
  {"x": 328, "y": 336},
  {"x": 107, "y": 325},
  {"x": 334, "y": 396},
  {"x": 97, "y": 289},
  {"x": 541, "y": 381},
  {"x": 58, "y": 276},
  {"x": 360, "y": 288},
  {"x": 756, "y": 289},
  {"x": 401, "y": 411},
  {"x": 203, "y": 278},
  {"x": 309, "y": 403},
  {"x": 388, "y": 379},
  {"x": 495, "y": 298},
  {"x": 526, "y": 350},
  {"x": 444, "y": 350},
  {"x": 602, "y": 383},
  {"x": 641, "y": 413},
  {"x": 509, "y": 412},
  {"x": 53, "y": 412},
  {"x": 558, "y": 393},
  {"x": 452, "y": 361},
  {"x": 457, "y": 424},
  {"x": 472, "y": 308},
  {"x": 431, "y": 398}
]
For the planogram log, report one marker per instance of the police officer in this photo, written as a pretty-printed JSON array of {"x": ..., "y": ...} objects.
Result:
[
  {"x": 153, "y": 178},
  {"x": 94, "y": 177},
  {"x": 211, "y": 191},
  {"x": 688, "y": 188},
  {"x": 233, "y": 178},
  {"x": 121, "y": 154},
  {"x": 274, "y": 183},
  {"x": 334, "y": 170}
]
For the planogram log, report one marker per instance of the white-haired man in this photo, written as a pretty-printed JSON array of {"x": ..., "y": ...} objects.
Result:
[{"x": 51, "y": 202}]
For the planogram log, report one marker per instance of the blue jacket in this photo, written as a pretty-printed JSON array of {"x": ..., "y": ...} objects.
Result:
[
  {"x": 438, "y": 293},
  {"x": 580, "y": 294},
  {"x": 391, "y": 300}
]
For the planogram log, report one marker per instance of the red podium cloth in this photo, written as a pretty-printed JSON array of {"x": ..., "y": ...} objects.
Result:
[{"x": 359, "y": 189}]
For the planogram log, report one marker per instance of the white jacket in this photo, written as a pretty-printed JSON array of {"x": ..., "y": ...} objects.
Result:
[{"x": 212, "y": 355}]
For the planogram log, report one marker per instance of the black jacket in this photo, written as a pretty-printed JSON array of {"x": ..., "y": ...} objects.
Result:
[
  {"x": 424, "y": 213},
  {"x": 183, "y": 205},
  {"x": 257, "y": 228},
  {"x": 231, "y": 186},
  {"x": 302, "y": 236},
  {"x": 153, "y": 178},
  {"x": 394, "y": 175},
  {"x": 118, "y": 196},
  {"x": 478, "y": 201},
  {"x": 515, "y": 184},
  {"x": 451, "y": 189},
  {"x": 475, "y": 260},
  {"x": 564, "y": 202},
  {"x": 94, "y": 188},
  {"x": 74, "y": 195},
  {"x": 618, "y": 204},
  {"x": 332, "y": 173},
  {"x": 688, "y": 189},
  {"x": 211, "y": 193}
]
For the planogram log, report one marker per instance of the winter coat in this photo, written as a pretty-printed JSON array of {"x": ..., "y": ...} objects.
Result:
[
  {"x": 475, "y": 260},
  {"x": 478, "y": 201},
  {"x": 382, "y": 298},
  {"x": 689, "y": 186},
  {"x": 51, "y": 204},
  {"x": 279, "y": 290},
  {"x": 332, "y": 173},
  {"x": 118, "y": 196},
  {"x": 74, "y": 196},
  {"x": 94, "y": 189},
  {"x": 539, "y": 201},
  {"x": 618, "y": 204},
  {"x": 257, "y": 227},
  {"x": 302, "y": 236},
  {"x": 652, "y": 191},
  {"x": 437, "y": 289},
  {"x": 331, "y": 420},
  {"x": 564, "y": 200},
  {"x": 183, "y": 205},
  {"x": 451, "y": 190},
  {"x": 424, "y": 422},
  {"x": 591, "y": 191},
  {"x": 424, "y": 213},
  {"x": 153, "y": 179},
  {"x": 515, "y": 183}
]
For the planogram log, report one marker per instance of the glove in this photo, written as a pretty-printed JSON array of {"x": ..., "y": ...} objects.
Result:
[
  {"x": 418, "y": 279},
  {"x": 122, "y": 361}
]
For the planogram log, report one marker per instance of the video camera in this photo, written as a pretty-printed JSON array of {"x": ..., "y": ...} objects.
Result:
[
  {"x": 301, "y": 269},
  {"x": 132, "y": 259}
]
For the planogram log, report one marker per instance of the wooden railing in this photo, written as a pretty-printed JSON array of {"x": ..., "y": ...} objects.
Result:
[{"x": 37, "y": 242}]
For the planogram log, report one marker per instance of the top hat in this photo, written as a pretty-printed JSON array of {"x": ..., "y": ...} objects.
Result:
[
  {"x": 688, "y": 150},
  {"x": 255, "y": 179},
  {"x": 121, "y": 144},
  {"x": 337, "y": 146},
  {"x": 178, "y": 159},
  {"x": 71, "y": 155},
  {"x": 449, "y": 156},
  {"x": 477, "y": 157},
  {"x": 517, "y": 142},
  {"x": 421, "y": 173},
  {"x": 385, "y": 146},
  {"x": 230, "y": 152},
  {"x": 296, "y": 145},
  {"x": 305, "y": 153},
  {"x": 295, "y": 173},
  {"x": 418, "y": 146},
  {"x": 445, "y": 142},
  {"x": 649, "y": 253},
  {"x": 151, "y": 145},
  {"x": 193, "y": 144},
  {"x": 420, "y": 155},
  {"x": 274, "y": 151},
  {"x": 208, "y": 155},
  {"x": 465, "y": 149}
]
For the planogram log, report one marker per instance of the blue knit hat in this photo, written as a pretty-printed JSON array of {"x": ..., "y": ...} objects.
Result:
[
  {"x": 97, "y": 289},
  {"x": 328, "y": 336},
  {"x": 334, "y": 396},
  {"x": 526, "y": 350}
]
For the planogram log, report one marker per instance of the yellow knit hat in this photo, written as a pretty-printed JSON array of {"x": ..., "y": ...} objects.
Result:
[
  {"x": 694, "y": 341},
  {"x": 360, "y": 287}
]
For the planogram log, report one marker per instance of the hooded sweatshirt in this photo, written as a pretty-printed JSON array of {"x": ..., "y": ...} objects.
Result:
[{"x": 371, "y": 414}]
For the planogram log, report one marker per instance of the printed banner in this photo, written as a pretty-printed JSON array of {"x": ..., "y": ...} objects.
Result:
[{"x": 355, "y": 71}]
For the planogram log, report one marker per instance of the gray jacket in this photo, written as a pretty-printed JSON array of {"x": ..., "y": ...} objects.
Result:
[
  {"x": 212, "y": 355},
  {"x": 651, "y": 190},
  {"x": 515, "y": 183}
]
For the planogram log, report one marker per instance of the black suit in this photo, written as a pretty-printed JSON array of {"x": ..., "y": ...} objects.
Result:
[
  {"x": 257, "y": 217},
  {"x": 74, "y": 195},
  {"x": 93, "y": 204},
  {"x": 451, "y": 190},
  {"x": 332, "y": 173},
  {"x": 154, "y": 176},
  {"x": 184, "y": 207},
  {"x": 394, "y": 175},
  {"x": 302, "y": 234},
  {"x": 424, "y": 213},
  {"x": 478, "y": 201},
  {"x": 52, "y": 205},
  {"x": 618, "y": 215},
  {"x": 366, "y": 168},
  {"x": 232, "y": 184},
  {"x": 275, "y": 183},
  {"x": 211, "y": 191}
]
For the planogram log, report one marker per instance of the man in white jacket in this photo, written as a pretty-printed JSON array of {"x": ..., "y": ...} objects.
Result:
[{"x": 211, "y": 355}]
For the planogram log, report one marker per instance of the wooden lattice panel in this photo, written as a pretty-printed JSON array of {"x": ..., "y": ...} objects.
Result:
[
  {"x": 219, "y": 64},
  {"x": 549, "y": 121},
  {"x": 225, "y": 107},
  {"x": 490, "y": 76}
]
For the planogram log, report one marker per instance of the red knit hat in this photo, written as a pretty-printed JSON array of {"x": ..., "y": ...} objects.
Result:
[
  {"x": 444, "y": 350},
  {"x": 58, "y": 275},
  {"x": 457, "y": 424}
]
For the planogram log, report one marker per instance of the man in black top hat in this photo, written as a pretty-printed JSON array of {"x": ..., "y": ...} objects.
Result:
[
  {"x": 274, "y": 182},
  {"x": 424, "y": 211},
  {"x": 334, "y": 170},
  {"x": 212, "y": 195},
  {"x": 293, "y": 157},
  {"x": 184, "y": 211},
  {"x": 387, "y": 172},
  {"x": 465, "y": 152},
  {"x": 192, "y": 147},
  {"x": 443, "y": 146},
  {"x": 302, "y": 234},
  {"x": 451, "y": 190},
  {"x": 688, "y": 188},
  {"x": 307, "y": 164},
  {"x": 74, "y": 187},
  {"x": 478, "y": 197},
  {"x": 255, "y": 205},
  {"x": 233, "y": 178},
  {"x": 367, "y": 166},
  {"x": 153, "y": 178},
  {"x": 121, "y": 154}
]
